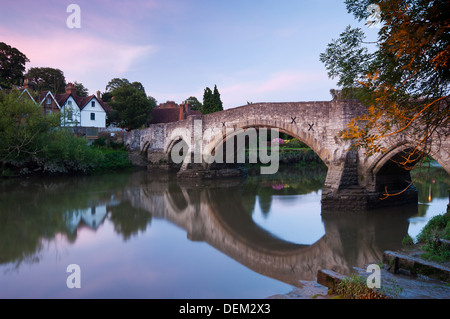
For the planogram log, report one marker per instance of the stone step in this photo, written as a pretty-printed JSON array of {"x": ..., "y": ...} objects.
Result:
[
  {"x": 329, "y": 278},
  {"x": 400, "y": 263}
]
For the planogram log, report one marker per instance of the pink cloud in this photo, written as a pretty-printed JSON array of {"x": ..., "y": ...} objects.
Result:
[
  {"x": 280, "y": 86},
  {"x": 80, "y": 56}
]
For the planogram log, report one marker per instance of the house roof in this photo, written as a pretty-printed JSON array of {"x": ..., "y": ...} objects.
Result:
[
  {"x": 42, "y": 95},
  {"x": 62, "y": 98},
  {"x": 81, "y": 101},
  {"x": 28, "y": 93},
  {"x": 163, "y": 114}
]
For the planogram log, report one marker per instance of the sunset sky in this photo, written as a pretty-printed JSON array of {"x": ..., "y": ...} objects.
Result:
[{"x": 253, "y": 50}]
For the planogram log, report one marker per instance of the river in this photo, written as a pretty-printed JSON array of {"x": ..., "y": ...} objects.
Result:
[{"x": 145, "y": 235}]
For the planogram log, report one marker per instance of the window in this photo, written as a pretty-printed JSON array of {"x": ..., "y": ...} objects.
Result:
[
  {"x": 93, "y": 103},
  {"x": 69, "y": 114},
  {"x": 92, "y": 116},
  {"x": 69, "y": 102},
  {"x": 48, "y": 101}
]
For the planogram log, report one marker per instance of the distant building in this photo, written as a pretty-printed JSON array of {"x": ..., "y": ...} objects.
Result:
[
  {"x": 84, "y": 114},
  {"x": 171, "y": 112},
  {"x": 48, "y": 102},
  {"x": 89, "y": 111},
  {"x": 79, "y": 111}
]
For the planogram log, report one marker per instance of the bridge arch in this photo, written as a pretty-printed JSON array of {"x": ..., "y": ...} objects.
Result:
[
  {"x": 219, "y": 140},
  {"x": 176, "y": 151},
  {"x": 384, "y": 163}
]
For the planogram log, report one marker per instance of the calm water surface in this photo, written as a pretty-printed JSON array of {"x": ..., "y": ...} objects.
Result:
[{"x": 138, "y": 235}]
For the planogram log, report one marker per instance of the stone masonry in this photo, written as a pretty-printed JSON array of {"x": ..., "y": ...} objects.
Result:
[{"x": 354, "y": 181}]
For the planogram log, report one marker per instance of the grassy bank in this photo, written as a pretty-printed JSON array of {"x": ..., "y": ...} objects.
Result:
[
  {"x": 430, "y": 238},
  {"x": 60, "y": 152}
]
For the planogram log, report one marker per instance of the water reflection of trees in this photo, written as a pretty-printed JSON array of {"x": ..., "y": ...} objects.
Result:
[
  {"x": 430, "y": 182},
  {"x": 287, "y": 181},
  {"x": 35, "y": 211}
]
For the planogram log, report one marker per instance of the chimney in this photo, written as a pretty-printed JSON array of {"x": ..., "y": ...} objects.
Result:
[
  {"x": 98, "y": 95},
  {"x": 187, "y": 107},
  {"x": 28, "y": 84},
  {"x": 70, "y": 89},
  {"x": 181, "y": 113}
]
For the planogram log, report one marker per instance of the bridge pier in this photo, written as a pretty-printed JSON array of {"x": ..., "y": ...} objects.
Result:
[
  {"x": 209, "y": 171},
  {"x": 347, "y": 188},
  {"x": 360, "y": 199}
]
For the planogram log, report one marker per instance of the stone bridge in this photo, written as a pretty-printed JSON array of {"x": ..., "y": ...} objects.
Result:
[{"x": 354, "y": 181}]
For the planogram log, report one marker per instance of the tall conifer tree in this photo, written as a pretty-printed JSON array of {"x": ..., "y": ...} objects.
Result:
[
  {"x": 208, "y": 102},
  {"x": 217, "y": 102}
]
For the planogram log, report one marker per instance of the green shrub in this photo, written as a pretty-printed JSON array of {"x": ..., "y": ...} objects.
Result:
[
  {"x": 355, "y": 287},
  {"x": 22, "y": 122},
  {"x": 113, "y": 159},
  {"x": 407, "y": 240},
  {"x": 62, "y": 152},
  {"x": 294, "y": 143},
  {"x": 437, "y": 228},
  {"x": 297, "y": 156},
  {"x": 100, "y": 142},
  {"x": 435, "y": 224}
]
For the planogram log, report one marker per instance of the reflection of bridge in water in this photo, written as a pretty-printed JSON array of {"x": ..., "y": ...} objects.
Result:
[{"x": 214, "y": 213}]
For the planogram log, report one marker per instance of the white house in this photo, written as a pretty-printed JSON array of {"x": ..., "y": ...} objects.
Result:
[
  {"x": 81, "y": 111},
  {"x": 70, "y": 112},
  {"x": 93, "y": 113}
]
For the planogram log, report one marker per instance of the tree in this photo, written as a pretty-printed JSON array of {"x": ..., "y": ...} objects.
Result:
[
  {"x": 21, "y": 124},
  {"x": 81, "y": 90},
  {"x": 47, "y": 79},
  {"x": 131, "y": 106},
  {"x": 12, "y": 65},
  {"x": 208, "y": 102},
  {"x": 218, "y": 105},
  {"x": 116, "y": 83},
  {"x": 403, "y": 79},
  {"x": 195, "y": 104},
  {"x": 106, "y": 97},
  {"x": 211, "y": 101}
]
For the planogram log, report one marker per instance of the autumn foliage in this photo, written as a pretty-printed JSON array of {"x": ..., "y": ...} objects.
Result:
[{"x": 404, "y": 82}]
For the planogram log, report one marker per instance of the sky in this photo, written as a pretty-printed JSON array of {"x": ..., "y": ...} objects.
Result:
[{"x": 253, "y": 50}]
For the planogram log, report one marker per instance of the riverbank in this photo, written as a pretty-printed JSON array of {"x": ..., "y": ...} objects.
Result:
[
  {"x": 71, "y": 156},
  {"x": 399, "y": 283}
]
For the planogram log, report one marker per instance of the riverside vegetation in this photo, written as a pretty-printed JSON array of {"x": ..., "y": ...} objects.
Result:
[
  {"x": 35, "y": 143},
  {"x": 432, "y": 237},
  {"x": 292, "y": 152}
]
